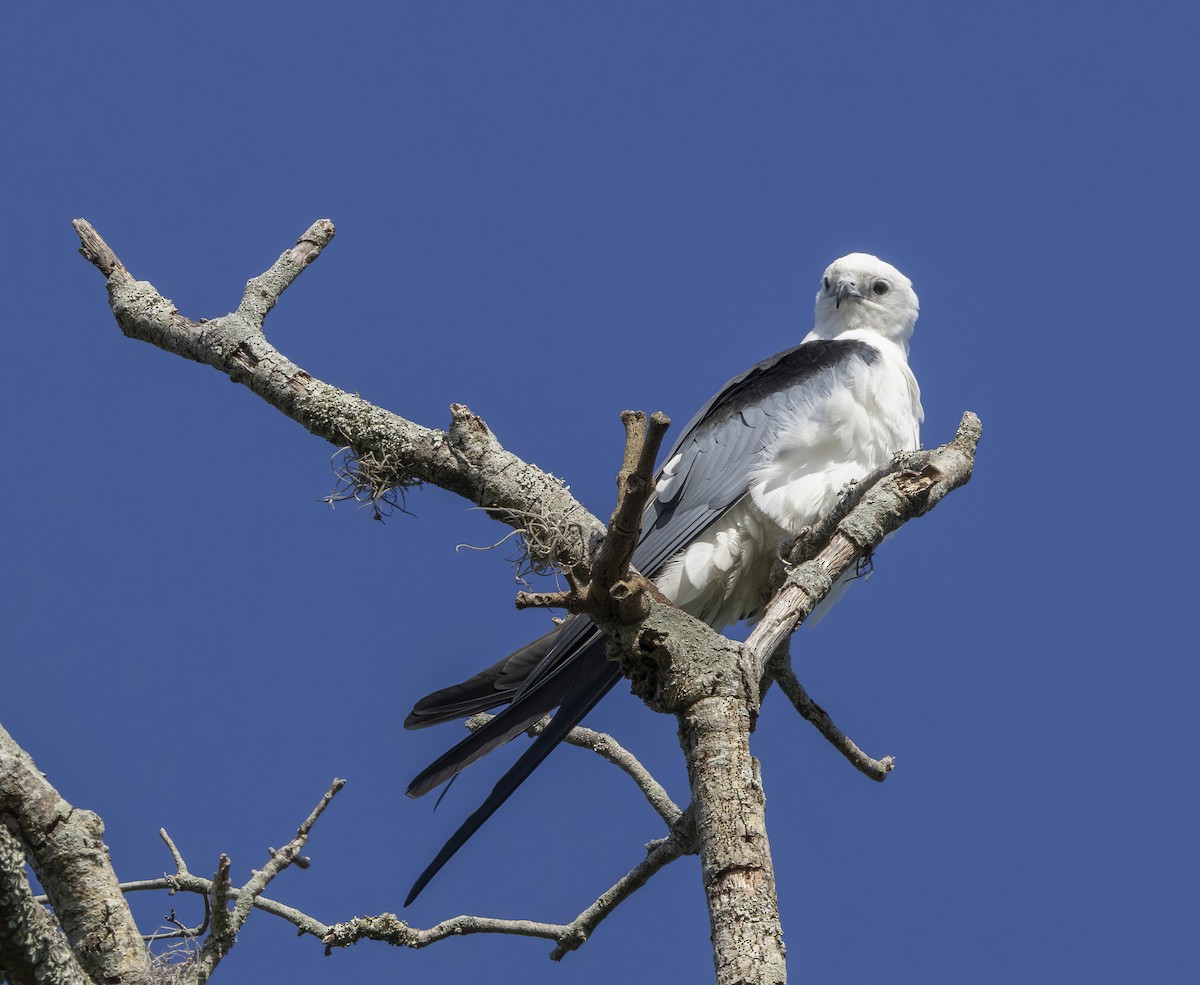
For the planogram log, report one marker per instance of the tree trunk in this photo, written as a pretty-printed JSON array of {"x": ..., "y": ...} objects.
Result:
[{"x": 735, "y": 857}]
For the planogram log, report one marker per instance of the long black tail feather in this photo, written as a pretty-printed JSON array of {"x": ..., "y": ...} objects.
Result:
[
  {"x": 496, "y": 685},
  {"x": 578, "y": 661},
  {"x": 590, "y": 680}
]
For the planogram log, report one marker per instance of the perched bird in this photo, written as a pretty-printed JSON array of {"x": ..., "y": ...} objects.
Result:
[{"x": 765, "y": 457}]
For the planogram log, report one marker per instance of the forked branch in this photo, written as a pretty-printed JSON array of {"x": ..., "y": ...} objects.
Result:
[
  {"x": 390, "y": 929},
  {"x": 611, "y": 590},
  {"x": 230, "y": 905},
  {"x": 465, "y": 459}
]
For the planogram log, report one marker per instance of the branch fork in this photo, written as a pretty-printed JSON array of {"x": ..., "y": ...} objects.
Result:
[{"x": 611, "y": 590}]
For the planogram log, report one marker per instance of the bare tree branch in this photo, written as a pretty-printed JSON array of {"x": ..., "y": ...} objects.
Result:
[
  {"x": 908, "y": 487},
  {"x": 605, "y": 745},
  {"x": 263, "y": 292},
  {"x": 390, "y": 929},
  {"x": 387, "y": 927},
  {"x": 182, "y": 931},
  {"x": 635, "y": 485},
  {"x": 780, "y": 668},
  {"x": 65, "y": 847},
  {"x": 465, "y": 459},
  {"x": 190, "y": 883},
  {"x": 681, "y": 841},
  {"x": 227, "y": 922},
  {"x": 281, "y": 858},
  {"x": 33, "y": 949},
  {"x": 614, "y": 591}
]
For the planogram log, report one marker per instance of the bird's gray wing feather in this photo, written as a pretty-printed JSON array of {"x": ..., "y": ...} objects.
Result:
[{"x": 722, "y": 442}]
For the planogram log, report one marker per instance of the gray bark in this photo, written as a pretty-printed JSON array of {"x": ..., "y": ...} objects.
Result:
[
  {"x": 739, "y": 881},
  {"x": 65, "y": 848},
  {"x": 33, "y": 949}
]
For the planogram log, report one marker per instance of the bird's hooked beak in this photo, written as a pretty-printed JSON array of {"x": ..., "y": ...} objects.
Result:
[{"x": 846, "y": 288}]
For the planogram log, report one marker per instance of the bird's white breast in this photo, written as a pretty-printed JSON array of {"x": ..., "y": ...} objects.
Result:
[
  {"x": 831, "y": 434},
  {"x": 837, "y": 434}
]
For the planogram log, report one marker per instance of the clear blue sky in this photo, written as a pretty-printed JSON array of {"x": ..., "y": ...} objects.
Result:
[{"x": 552, "y": 212}]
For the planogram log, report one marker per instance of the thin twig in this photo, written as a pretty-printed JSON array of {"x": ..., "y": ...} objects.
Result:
[
  {"x": 781, "y": 670},
  {"x": 184, "y": 932},
  {"x": 606, "y": 746},
  {"x": 390, "y": 929},
  {"x": 283, "y": 857},
  {"x": 226, "y": 922},
  {"x": 203, "y": 887},
  {"x": 681, "y": 841},
  {"x": 176, "y": 856}
]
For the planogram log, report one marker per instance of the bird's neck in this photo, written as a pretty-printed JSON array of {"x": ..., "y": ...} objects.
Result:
[{"x": 887, "y": 344}]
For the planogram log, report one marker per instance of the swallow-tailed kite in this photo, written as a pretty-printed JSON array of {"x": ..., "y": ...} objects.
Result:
[{"x": 760, "y": 461}]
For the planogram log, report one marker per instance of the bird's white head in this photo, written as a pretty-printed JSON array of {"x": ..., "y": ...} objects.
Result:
[{"x": 861, "y": 293}]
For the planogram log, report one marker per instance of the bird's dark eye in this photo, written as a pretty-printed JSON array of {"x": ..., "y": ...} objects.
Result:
[
  {"x": 826, "y": 283},
  {"x": 881, "y": 287}
]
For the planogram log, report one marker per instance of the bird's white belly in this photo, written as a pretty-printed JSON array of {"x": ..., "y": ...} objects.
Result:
[{"x": 719, "y": 576}]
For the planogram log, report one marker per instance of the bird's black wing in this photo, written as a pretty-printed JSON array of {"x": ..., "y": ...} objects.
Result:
[{"x": 715, "y": 452}]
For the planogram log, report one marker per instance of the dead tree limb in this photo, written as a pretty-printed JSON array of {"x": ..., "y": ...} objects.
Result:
[
  {"x": 387, "y": 927},
  {"x": 909, "y": 486},
  {"x": 33, "y": 948},
  {"x": 390, "y": 929},
  {"x": 780, "y": 668},
  {"x": 65, "y": 848},
  {"x": 227, "y": 922},
  {"x": 465, "y": 459},
  {"x": 613, "y": 590}
]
